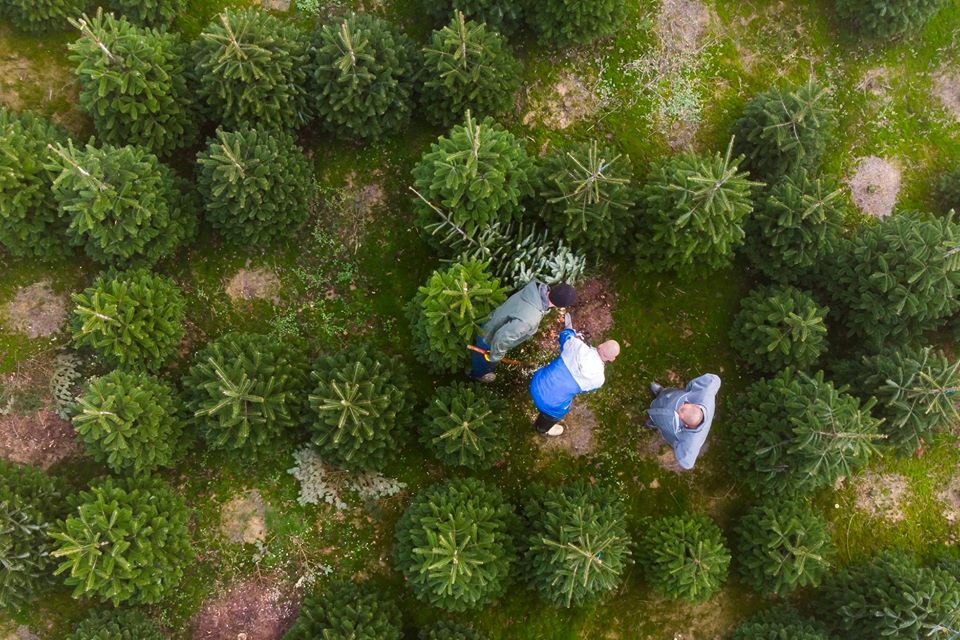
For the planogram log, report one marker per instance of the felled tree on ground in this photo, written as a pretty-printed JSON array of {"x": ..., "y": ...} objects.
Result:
[
  {"x": 567, "y": 22},
  {"x": 126, "y": 541},
  {"x": 684, "y": 557},
  {"x": 691, "y": 212},
  {"x": 245, "y": 390},
  {"x": 467, "y": 67},
  {"x": 449, "y": 630},
  {"x": 463, "y": 426},
  {"x": 503, "y": 16},
  {"x": 256, "y": 185},
  {"x": 577, "y": 547},
  {"x": 886, "y": 19},
  {"x": 447, "y": 312},
  {"x": 30, "y": 222},
  {"x": 348, "y": 611},
  {"x": 133, "y": 83},
  {"x": 359, "y": 405},
  {"x": 117, "y": 624},
  {"x": 41, "y": 15},
  {"x": 149, "y": 13},
  {"x": 131, "y": 318},
  {"x": 781, "y": 622},
  {"x": 588, "y": 197},
  {"x": 454, "y": 546}
]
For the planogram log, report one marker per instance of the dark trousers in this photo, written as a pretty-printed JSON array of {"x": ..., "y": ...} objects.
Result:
[
  {"x": 544, "y": 423},
  {"x": 480, "y": 366}
]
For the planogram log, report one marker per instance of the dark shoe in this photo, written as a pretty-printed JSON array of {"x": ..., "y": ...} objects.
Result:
[
  {"x": 655, "y": 389},
  {"x": 649, "y": 424}
]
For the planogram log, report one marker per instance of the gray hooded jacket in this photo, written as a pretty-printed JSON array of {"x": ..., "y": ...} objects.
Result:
[{"x": 515, "y": 320}]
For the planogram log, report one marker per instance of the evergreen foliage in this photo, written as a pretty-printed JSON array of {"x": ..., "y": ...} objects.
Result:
[
  {"x": 784, "y": 545},
  {"x": 40, "y": 15},
  {"x": 691, "y": 212},
  {"x": 795, "y": 432},
  {"x": 886, "y": 19},
  {"x": 30, "y": 224},
  {"x": 464, "y": 426},
  {"x": 149, "y": 13},
  {"x": 446, "y": 313},
  {"x": 127, "y": 541},
  {"x": 246, "y": 389},
  {"x": 781, "y": 622},
  {"x": 122, "y": 204},
  {"x": 793, "y": 227},
  {"x": 449, "y": 630},
  {"x": 117, "y": 624},
  {"x": 454, "y": 544},
  {"x": 684, "y": 557},
  {"x": 467, "y": 67},
  {"x": 133, "y": 83},
  {"x": 785, "y": 130},
  {"x": 947, "y": 191},
  {"x": 577, "y": 546},
  {"x": 588, "y": 196},
  {"x": 359, "y": 406},
  {"x": 778, "y": 327},
  {"x": 256, "y": 185},
  {"x": 129, "y": 421},
  {"x": 503, "y": 16},
  {"x": 132, "y": 318},
  {"x": 253, "y": 69},
  {"x": 362, "y": 77},
  {"x": 567, "y": 22},
  {"x": 347, "y": 611}
]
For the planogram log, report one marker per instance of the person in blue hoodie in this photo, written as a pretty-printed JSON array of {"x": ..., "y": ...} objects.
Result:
[
  {"x": 684, "y": 416},
  {"x": 578, "y": 369}
]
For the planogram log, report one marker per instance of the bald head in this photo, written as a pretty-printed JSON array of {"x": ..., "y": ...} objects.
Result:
[
  {"x": 609, "y": 350},
  {"x": 690, "y": 414}
]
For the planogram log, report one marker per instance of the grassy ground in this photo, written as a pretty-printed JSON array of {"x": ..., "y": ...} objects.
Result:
[{"x": 347, "y": 277}]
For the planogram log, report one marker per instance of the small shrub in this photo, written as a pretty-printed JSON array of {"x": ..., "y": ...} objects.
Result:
[
  {"x": 131, "y": 318},
  {"x": 449, "y": 630},
  {"x": 117, "y": 624},
  {"x": 566, "y": 22},
  {"x": 347, "y": 611},
  {"x": 41, "y": 15},
  {"x": 886, "y": 19},
  {"x": 504, "y": 16},
  {"x": 781, "y": 622},
  {"x": 685, "y": 557},
  {"x": 464, "y": 426},
  {"x": 149, "y": 13},
  {"x": 453, "y": 544}
]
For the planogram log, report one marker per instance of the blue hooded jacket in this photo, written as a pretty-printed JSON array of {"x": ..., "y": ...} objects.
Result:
[{"x": 578, "y": 369}]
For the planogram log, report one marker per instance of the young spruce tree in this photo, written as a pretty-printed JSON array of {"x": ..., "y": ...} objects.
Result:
[
  {"x": 149, "y": 13},
  {"x": 348, "y": 611},
  {"x": 41, "y": 15},
  {"x": 117, "y": 624},
  {"x": 449, "y": 630},
  {"x": 503, "y": 16},
  {"x": 781, "y": 622},
  {"x": 887, "y": 19},
  {"x": 684, "y": 557},
  {"x": 464, "y": 426},
  {"x": 567, "y": 22}
]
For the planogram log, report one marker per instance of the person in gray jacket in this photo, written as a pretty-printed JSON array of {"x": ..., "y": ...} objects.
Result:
[
  {"x": 515, "y": 321},
  {"x": 684, "y": 416}
]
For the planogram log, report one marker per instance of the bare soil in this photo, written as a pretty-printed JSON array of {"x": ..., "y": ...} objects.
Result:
[
  {"x": 39, "y": 86},
  {"x": 876, "y": 83},
  {"x": 276, "y": 5},
  {"x": 875, "y": 186},
  {"x": 578, "y": 433},
  {"x": 710, "y": 620},
  {"x": 654, "y": 447},
  {"x": 36, "y": 311},
  {"x": 255, "y": 609},
  {"x": 243, "y": 519},
  {"x": 254, "y": 284},
  {"x": 22, "y": 632},
  {"x": 950, "y": 496},
  {"x": 946, "y": 86},
  {"x": 881, "y": 495},
  {"x": 14, "y": 72},
  {"x": 567, "y": 101},
  {"x": 592, "y": 317},
  {"x": 41, "y": 438},
  {"x": 360, "y": 202},
  {"x": 680, "y": 25}
]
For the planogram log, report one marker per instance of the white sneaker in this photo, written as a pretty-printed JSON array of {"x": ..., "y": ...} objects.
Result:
[
  {"x": 487, "y": 378},
  {"x": 555, "y": 430}
]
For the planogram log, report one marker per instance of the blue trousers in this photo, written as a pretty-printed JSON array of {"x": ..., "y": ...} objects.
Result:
[{"x": 480, "y": 366}]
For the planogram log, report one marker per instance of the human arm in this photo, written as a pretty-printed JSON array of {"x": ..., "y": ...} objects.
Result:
[
  {"x": 509, "y": 335},
  {"x": 705, "y": 386}
]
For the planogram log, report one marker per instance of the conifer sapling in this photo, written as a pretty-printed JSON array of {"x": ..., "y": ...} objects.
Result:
[
  {"x": 347, "y": 611},
  {"x": 117, "y": 624},
  {"x": 684, "y": 557},
  {"x": 463, "y": 426},
  {"x": 566, "y": 22}
]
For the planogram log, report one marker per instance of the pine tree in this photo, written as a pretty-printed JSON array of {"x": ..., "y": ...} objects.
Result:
[
  {"x": 783, "y": 545},
  {"x": 359, "y": 406},
  {"x": 567, "y": 22},
  {"x": 577, "y": 547},
  {"x": 895, "y": 279},
  {"x": 793, "y": 227},
  {"x": 785, "y": 130},
  {"x": 447, "y": 312},
  {"x": 347, "y": 611},
  {"x": 127, "y": 541},
  {"x": 781, "y": 622},
  {"x": 778, "y": 327},
  {"x": 684, "y": 557},
  {"x": 122, "y": 205},
  {"x": 133, "y": 83},
  {"x": 245, "y": 390},
  {"x": 691, "y": 211},
  {"x": 794, "y": 432},
  {"x": 149, "y": 13},
  {"x": 503, "y": 16},
  {"x": 588, "y": 196},
  {"x": 256, "y": 185},
  {"x": 40, "y": 15},
  {"x": 464, "y": 426},
  {"x": 467, "y": 67},
  {"x": 253, "y": 69},
  {"x": 454, "y": 546},
  {"x": 131, "y": 318},
  {"x": 30, "y": 501},
  {"x": 30, "y": 223},
  {"x": 117, "y": 624},
  {"x": 887, "y": 19},
  {"x": 362, "y": 77},
  {"x": 129, "y": 421},
  {"x": 449, "y": 630}
]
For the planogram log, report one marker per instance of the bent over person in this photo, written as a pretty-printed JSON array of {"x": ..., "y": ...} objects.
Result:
[
  {"x": 684, "y": 416},
  {"x": 579, "y": 369}
]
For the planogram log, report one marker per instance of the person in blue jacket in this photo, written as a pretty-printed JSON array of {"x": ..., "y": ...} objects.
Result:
[
  {"x": 578, "y": 369},
  {"x": 684, "y": 416}
]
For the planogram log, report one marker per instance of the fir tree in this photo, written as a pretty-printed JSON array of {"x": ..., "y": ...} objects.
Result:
[
  {"x": 30, "y": 223},
  {"x": 783, "y": 545},
  {"x": 567, "y": 22},
  {"x": 149, "y": 13},
  {"x": 133, "y": 83},
  {"x": 887, "y": 19},
  {"x": 362, "y": 77},
  {"x": 577, "y": 547},
  {"x": 41, "y": 15},
  {"x": 467, "y": 67},
  {"x": 447, "y": 312},
  {"x": 131, "y": 318},
  {"x": 453, "y": 544},
  {"x": 347, "y": 611},
  {"x": 449, "y": 630},
  {"x": 117, "y": 624},
  {"x": 691, "y": 211},
  {"x": 129, "y": 421},
  {"x": 781, "y": 622},
  {"x": 684, "y": 557},
  {"x": 588, "y": 197},
  {"x": 463, "y": 426},
  {"x": 253, "y": 69},
  {"x": 359, "y": 406},
  {"x": 503, "y": 16},
  {"x": 127, "y": 541},
  {"x": 785, "y": 130},
  {"x": 122, "y": 205},
  {"x": 256, "y": 185},
  {"x": 245, "y": 390},
  {"x": 779, "y": 327}
]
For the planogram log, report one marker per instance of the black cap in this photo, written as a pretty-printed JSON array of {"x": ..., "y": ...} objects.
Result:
[{"x": 563, "y": 295}]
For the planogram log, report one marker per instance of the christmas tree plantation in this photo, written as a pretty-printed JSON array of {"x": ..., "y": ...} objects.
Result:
[
  {"x": 464, "y": 426},
  {"x": 347, "y": 611},
  {"x": 684, "y": 557}
]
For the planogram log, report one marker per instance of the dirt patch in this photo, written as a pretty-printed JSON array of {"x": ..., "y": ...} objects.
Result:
[
  {"x": 43, "y": 84},
  {"x": 254, "y": 284},
  {"x": 680, "y": 25},
  {"x": 356, "y": 207},
  {"x": 36, "y": 311},
  {"x": 710, "y": 620},
  {"x": 567, "y": 101},
  {"x": 875, "y": 186},
  {"x": 950, "y": 497},
  {"x": 256, "y": 609},
  {"x": 881, "y": 495},
  {"x": 276, "y": 5},
  {"x": 243, "y": 519},
  {"x": 876, "y": 82},
  {"x": 592, "y": 317},
  {"x": 946, "y": 86},
  {"x": 653, "y": 446},
  {"x": 578, "y": 433},
  {"x": 14, "y": 72},
  {"x": 22, "y": 632},
  {"x": 41, "y": 438}
]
